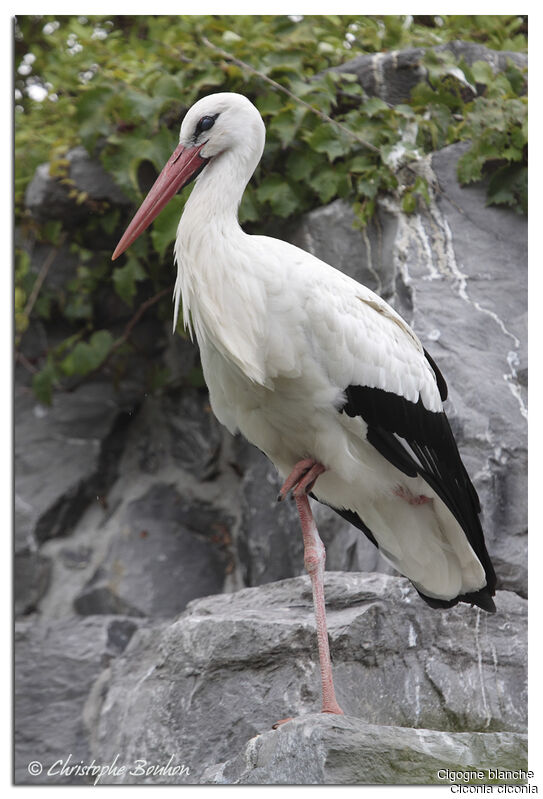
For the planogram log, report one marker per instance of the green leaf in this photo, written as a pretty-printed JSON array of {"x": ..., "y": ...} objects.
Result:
[
  {"x": 516, "y": 77},
  {"x": 470, "y": 166},
  {"x": 42, "y": 383},
  {"x": 165, "y": 225},
  {"x": 230, "y": 37},
  {"x": 270, "y": 103},
  {"x": 167, "y": 88},
  {"x": 78, "y": 306},
  {"x": 482, "y": 72},
  {"x": 88, "y": 356},
  {"x": 360, "y": 163},
  {"x": 420, "y": 188},
  {"x": 125, "y": 279},
  {"x": 369, "y": 186},
  {"x": 51, "y": 231},
  {"x": 279, "y": 194},
  {"x": 509, "y": 186},
  {"x": 374, "y": 106},
  {"x": 248, "y": 209},
  {"x": 409, "y": 202},
  {"x": 327, "y": 139},
  {"x": 93, "y": 122},
  {"x": 285, "y": 125},
  {"x": 302, "y": 163},
  {"x": 326, "y": 183}
]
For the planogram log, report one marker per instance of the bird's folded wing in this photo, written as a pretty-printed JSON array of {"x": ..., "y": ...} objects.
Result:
[
  {"x": 361, "y": 340},
  {"x": 390, "y": 382}
]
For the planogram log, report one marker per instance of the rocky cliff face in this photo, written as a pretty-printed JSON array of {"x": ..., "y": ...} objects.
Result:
[{"x": 131, "y": 508}]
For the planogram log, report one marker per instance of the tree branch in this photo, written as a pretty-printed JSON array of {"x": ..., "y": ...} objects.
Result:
[{"x": 38, "y": 283}]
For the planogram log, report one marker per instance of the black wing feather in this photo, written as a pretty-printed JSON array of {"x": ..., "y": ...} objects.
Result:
[
  {"x": 420, "y": 442},
  {"x": 440, "y": 380}
]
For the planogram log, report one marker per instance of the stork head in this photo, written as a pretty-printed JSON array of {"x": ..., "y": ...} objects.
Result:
[{"x": 217, "y": 127}]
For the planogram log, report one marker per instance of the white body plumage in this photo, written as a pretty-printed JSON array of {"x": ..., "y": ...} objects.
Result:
[{"x": 308, "y": 364}]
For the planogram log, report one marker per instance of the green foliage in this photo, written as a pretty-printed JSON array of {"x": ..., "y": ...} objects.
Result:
[
  {"x": 125, "y": 278},
  {"x": 495, "y": 122},
  {"x": 120, "y": 85},
  {"x": 87, "y": 356}
]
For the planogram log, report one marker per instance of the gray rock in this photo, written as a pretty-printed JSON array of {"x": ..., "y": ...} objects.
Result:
[
  {"x": 31, "y": 576},
  {"x": 63, "y": 264},
  {"x": 487, "y": 276},
  {"x": 176, "y": 428},
  {"x": 49, "y": 198},
  {"x": 341, "y": 750},
  {"x": 65, "y": 458},
  {"x": 165, "y": 531},
  {"x": 270, "y": 542},
  {"x": 160, "y": 528},
  {"x": 232, "y": 665},
  {"x": 393, "y": 75},
  {"x": 56, "y": 663}
]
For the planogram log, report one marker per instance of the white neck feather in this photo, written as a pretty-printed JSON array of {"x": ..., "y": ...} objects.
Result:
[{"x": 222, "y": 299}]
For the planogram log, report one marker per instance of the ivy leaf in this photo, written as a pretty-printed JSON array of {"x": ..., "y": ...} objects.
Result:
[
  {"x": 508, "y": 186},
  {"x": 167, "y": 88},
  {"x": 230, "y": 37},
  {"x": 420, "y": 187},
  {"x": 125, "y": 279},
  {"x": 516, "y": 77},
  {"x": 470, "y": 166},
  {"x": 360, "y": 163},
  {"x": 326, "y": 183},
  {"x": 374, "y": 106},
  {"x": 43, "y": 381},
  {"x": 165, "y": 225},
  {"x": 93, "y": 122},
  {"x": 368, "y": 186},
  {"x": 302, "y": 163},
  {"x": 327, "y": 139},
  {"x": 285, "y": 125},
  {"x": 248, "y": 209},
  {"x": 269, "y": 104},
  {"x": 409, "y": 202},
  {"x": 482, "y": 72},
  {"x": 88, "y": 356},
  {"x": 278, "y": 194}
]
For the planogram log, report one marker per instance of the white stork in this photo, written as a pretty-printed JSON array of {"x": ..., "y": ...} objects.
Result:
[{"x": 320, "y": 374}]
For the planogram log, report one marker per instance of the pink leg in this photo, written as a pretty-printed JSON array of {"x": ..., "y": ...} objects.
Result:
[
  {"x": 301, "y": 481},
  {"x": 314, "y": 558}
]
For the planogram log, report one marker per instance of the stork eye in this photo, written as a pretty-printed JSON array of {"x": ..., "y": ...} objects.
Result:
[{"x": 205, "y": 123}]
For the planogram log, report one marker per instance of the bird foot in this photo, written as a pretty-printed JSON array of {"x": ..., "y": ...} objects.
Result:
[
  {"x": 412, "y": 499},
  {"x": 333, "y": 709},
  {"x": 281, "y": 722},
  {"x": 301, "y": 479}
]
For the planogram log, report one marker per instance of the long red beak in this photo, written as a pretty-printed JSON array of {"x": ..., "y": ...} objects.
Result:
[{"x": 180, "y": 169}]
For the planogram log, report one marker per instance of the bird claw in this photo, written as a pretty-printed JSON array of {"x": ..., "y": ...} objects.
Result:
[
  {"x": 301, "y": 479},
  {"x": 281, "y": 722}
]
